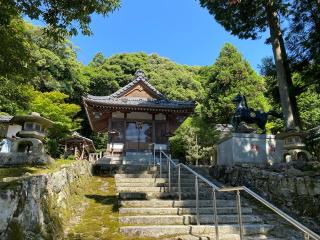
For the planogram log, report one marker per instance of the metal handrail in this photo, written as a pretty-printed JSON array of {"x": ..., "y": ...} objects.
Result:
[{"x": 307, "y": 232}]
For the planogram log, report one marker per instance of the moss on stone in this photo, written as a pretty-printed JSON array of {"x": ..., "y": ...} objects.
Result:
[
  {"x": 18, "y": 171},
  {"x": 94, "y": 212},
  {"x": 15, "y": 231},
  {"x": 53, "y": 222}
]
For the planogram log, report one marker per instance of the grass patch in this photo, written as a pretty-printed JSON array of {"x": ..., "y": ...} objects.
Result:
[
  {"x": 19, "y": 171},
  {"x": 98, "y": 217}
]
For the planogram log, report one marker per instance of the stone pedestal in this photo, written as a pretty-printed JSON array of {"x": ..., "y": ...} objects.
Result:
[{"x": 255, "y": 149}]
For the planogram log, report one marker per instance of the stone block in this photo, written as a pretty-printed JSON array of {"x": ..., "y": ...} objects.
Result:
[{"x": 252, "y": 149}]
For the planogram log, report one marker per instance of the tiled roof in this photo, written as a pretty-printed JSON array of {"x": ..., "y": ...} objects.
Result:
[
  {"x": 5, "y": 118},
  {"x": 117, "y": 99},
  {"x": 139, "y": 76},
  {"x": 140, "y": 102}
]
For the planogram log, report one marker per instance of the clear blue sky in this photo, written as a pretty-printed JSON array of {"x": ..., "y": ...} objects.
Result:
[{"x": 177, "y": 29}]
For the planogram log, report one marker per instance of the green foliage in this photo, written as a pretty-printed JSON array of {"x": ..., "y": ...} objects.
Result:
[
  {"x": 61, "y": 16},
  {"x": 195, "y": 140},
  {"x": 243, "y": 18},
  {"x": 38, "y": 73},
  {"x": 303, "y": 39},
  {"x": 100, "y": 140},
  {"x": 15, "y": 49},
  {"x": 55, "y": 66},
  {"x": 14, "y": 97},
  {"x": 174, "y": 80},
  {"x": 309, "y": 106},
  {"x": 230, "y": 75},
  {"x": 307, "y": 96},
  {"x": 52, "y": 105}
]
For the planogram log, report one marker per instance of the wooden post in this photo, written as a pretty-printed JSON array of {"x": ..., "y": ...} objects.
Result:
[{"x": 124, "y": 134}]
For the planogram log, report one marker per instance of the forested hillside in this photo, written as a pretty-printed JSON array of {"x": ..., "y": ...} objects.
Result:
[{"x": 39, "y": 73}]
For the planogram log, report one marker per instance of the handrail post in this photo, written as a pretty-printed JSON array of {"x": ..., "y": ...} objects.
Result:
[
  {"x": 160, "y": 163},
  {"x": 169, "y": 172},
  {"x": 149, "y": 160},
  {"x": 154, "y": 154},
  {"x": 197, "y": 199},
  {"x": 179, "y": 182},
  {"x": 239, "y": 215},
  {"x": 215, "y": 212},
  {"x": 306, "y": 236}
]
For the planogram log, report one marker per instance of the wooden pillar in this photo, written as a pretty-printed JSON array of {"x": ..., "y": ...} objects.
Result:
[
  {"x": 109, "y": 137},
  {"x": 124, "y": 133}
]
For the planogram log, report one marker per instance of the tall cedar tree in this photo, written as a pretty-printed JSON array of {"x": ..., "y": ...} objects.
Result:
[
  {"x": 246, "y": 19},
  {"x": 232, "y": 74}
]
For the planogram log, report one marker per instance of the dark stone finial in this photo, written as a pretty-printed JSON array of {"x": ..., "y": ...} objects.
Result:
[{"x": 140, "y": 74}]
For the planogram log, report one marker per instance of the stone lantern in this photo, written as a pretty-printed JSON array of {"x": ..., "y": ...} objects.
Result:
[{"x": 27, "y": 146}]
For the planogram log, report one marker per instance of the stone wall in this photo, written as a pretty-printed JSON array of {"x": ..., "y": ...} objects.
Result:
[
  {"x": 32, "y": 206},
  {"x": 294, "y": 191}
]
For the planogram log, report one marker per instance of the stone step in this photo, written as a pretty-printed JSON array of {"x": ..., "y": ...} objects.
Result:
[
  {"x": 180, "y": 211},
  {"x": 155, "y": 203},
  {"x": 153, "y": 184},
  {"x": 184, "y": 219},
  {"x": 205, "y": 237},
  {"x": 224, "y": 237},
  {"x": 152, "y": 189},
  {"x": 174, "y": 230},
  {"x": 152, "y": 175},
  {"x": 151, "y": 180},
  {"x": 203, "y": 195}
]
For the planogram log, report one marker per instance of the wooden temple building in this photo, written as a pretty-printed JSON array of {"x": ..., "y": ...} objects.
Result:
[{"x": 137, "y": 118}]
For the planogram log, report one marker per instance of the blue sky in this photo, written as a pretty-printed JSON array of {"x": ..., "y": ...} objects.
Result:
[{"x": 177, "y": 29}]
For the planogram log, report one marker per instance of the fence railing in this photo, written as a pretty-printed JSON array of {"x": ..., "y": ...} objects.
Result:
[
  {"x": 93, "y": 157},
  {"x": 169, "y": 163}
]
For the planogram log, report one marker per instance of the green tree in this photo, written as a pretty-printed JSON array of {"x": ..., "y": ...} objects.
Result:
[
  {"x": 303, "y": 39},
  {"x": 53, "y": 105},
  {"x": 61, "y": 16},
  {"x": 247, "y": 19},
  {"x": 56, "y": 67},
  {"x": 174, "y": 80},
  {"x": 230, "y": 75},
  {"x": 14, "y": 97},
  {"x": 15, "y": 51}
]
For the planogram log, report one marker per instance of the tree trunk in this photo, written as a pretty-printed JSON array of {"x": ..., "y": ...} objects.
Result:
[{"x": 286, "y": 90}]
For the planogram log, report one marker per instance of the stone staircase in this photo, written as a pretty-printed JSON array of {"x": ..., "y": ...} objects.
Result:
[{"x": 149, "y": 209}]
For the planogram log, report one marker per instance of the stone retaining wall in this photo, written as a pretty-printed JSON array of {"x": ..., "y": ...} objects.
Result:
[
  {"x": 31, "y": 206},
  {"x": 297, "y": 195}
]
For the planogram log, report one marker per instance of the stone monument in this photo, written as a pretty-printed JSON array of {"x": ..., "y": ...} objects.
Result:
[{"x": 243, "y": 146}]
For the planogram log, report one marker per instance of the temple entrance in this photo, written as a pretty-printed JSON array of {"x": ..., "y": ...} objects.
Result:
[
  {"x": 138, "y": 118},
  {"x": 138, "y": 136}
]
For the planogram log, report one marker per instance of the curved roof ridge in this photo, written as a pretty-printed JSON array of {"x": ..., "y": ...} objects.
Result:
[{"x": 139, "y": 76}]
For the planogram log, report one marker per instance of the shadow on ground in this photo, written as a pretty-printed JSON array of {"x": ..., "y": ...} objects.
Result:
[{"x": 106, "y": 200}]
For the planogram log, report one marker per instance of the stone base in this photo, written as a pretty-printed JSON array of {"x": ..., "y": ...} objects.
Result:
[
  {"x": 256, "y": 149},
  {"x": 13, "y": 158}
]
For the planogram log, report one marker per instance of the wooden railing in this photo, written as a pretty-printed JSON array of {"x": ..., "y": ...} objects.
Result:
[{"x": 93, "y": 157}]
